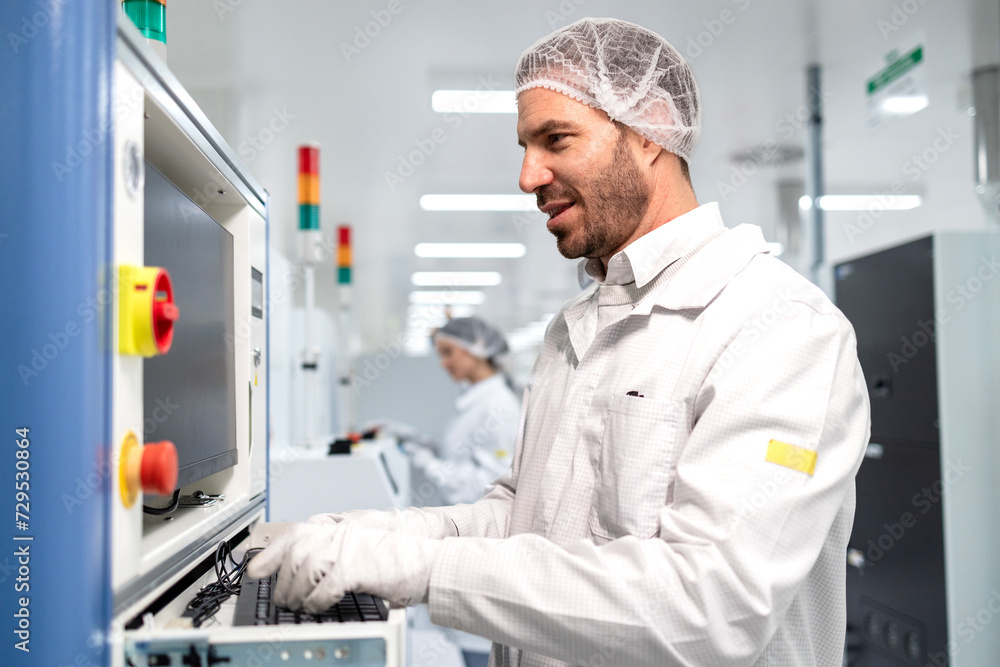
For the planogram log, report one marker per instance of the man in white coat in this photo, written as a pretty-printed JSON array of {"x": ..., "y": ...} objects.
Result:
[{"x": 682, "y": 488}]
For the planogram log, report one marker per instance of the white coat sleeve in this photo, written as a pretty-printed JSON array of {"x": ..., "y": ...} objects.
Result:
[{"x": 715, "y": 584}]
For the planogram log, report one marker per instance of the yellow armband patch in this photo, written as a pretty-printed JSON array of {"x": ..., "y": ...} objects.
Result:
[{"x": 791, "y": 456}]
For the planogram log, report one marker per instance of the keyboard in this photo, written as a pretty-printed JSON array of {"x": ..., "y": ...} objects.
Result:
[{"x": 255, "y": 607}]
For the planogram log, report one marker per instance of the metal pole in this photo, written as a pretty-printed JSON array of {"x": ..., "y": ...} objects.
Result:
[{"x": 815, "y": 180}]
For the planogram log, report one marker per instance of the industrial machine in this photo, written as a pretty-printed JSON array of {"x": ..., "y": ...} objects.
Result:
[
  {"x": 138, "y": 362},
  {"x": 923, "y": 584}
]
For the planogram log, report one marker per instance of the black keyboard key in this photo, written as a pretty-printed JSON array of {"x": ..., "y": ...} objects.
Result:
[
  {"x": 348, "y": 614},
  {"x": 256, "y": 608}
]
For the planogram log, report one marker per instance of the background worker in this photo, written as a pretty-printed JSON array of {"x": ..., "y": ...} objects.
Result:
[{"x": 478, "y": 442}]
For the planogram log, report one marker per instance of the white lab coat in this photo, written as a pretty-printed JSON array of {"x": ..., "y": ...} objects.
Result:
[
  {"x": 654, "y": 529},
  {"x": 478, "y": 445}
]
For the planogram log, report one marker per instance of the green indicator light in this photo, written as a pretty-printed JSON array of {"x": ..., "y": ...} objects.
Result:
[
  {"x": 149, "y": 16},
  {"x": 308, "y": 217},
  {"x": 344, "y": 275}
]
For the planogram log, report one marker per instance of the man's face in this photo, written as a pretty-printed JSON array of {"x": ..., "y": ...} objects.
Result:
[{"x": 583, "y": 173}]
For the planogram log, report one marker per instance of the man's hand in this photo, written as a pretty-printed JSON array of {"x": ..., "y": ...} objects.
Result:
[{"x": 320, "y": 563}]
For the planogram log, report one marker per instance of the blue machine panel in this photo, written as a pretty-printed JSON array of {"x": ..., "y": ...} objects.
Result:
[{"x": 55, "y": 193}]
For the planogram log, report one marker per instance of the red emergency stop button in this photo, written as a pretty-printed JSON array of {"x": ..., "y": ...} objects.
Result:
[
  {"x": 159, "y": 468},
  {"x": 150, "y": 468}
]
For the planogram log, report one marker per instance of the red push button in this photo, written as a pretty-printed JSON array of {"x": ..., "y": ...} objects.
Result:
[{"x": 159, "y": 468}]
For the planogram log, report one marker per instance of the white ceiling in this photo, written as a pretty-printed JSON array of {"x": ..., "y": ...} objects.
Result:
[{"x": 245, "y": 62}]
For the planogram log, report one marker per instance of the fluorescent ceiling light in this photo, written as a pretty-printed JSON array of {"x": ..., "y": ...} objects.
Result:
[
  {"x": 456, "y": 278},
  {"x": 478, "y": 203},
  {"x": 473, "y": 298},
  {"x": 474, "y": 101},
  {"x": 905, "y": 104},
  {"x": 863, "y": 202},
  {"x": 474, "y": 250}
]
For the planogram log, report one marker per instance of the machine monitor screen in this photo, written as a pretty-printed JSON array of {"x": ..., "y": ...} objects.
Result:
[{"x": 189, "y": 393}]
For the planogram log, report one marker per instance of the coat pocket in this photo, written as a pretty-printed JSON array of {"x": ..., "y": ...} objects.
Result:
[{"x": 635, "y": 467}]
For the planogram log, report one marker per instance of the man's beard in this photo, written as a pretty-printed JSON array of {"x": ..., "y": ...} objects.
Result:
[{"x": 614, "y": 208}]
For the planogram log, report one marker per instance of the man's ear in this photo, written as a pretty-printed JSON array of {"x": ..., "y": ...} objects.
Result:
[{"x": 649, "y": 151}]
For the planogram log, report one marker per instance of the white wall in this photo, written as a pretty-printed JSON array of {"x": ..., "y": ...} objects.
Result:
[
  {"x": 410, "y": 390},
  {"x": 281, "y": 351},
  {"x": 928, "y": 153}
]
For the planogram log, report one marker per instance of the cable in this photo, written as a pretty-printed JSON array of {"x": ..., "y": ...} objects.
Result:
[
  {"x": 174, "y": 502},
  {"x": 207, "y": 602}
]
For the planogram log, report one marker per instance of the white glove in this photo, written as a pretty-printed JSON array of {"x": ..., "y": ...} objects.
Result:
[
  {"x": 423, "y": 522},
  {"x": 320, "y": 563},
  {"x": 405, "y": 433},
  {"x": 420, "y": 456}
]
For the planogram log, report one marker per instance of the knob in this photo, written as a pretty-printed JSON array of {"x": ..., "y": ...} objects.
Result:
[
  {"x": 150, "y": 468},
  {"x": 159, "y": 468},
  {"x": 147, "y": 312}
]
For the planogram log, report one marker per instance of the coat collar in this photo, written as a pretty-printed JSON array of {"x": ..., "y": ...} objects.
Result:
[
  {"x": 708, "y": 272},
  {"x": 479, "y": 391}
]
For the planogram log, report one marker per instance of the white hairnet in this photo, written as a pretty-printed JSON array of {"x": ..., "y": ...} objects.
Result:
[
  {"x": 475, "y": 336},
  {"x": 623, "y": 69}
]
